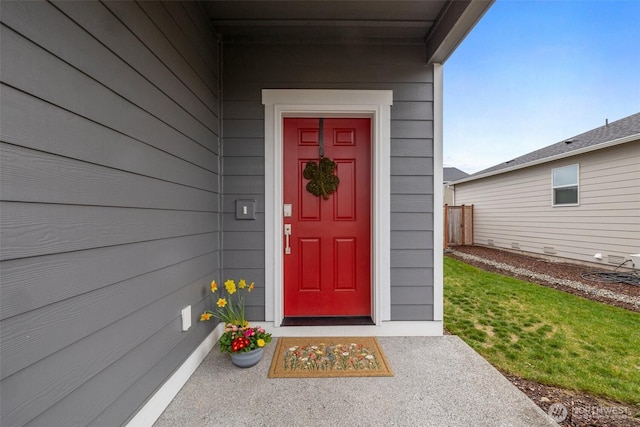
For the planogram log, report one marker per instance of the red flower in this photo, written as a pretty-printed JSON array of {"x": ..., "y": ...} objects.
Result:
[{"x": 239, "y": 343}]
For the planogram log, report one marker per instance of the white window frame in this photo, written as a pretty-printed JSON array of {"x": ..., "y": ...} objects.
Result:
[
  {"x": 376, "y": 104},
  {"x": 556, "y": 187}
]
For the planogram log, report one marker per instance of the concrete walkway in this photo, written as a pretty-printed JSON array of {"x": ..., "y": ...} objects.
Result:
[{"x": 439, "y": 381}]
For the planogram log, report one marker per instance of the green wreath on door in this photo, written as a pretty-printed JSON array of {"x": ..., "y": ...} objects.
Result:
[{"x": 322, "y": 182}]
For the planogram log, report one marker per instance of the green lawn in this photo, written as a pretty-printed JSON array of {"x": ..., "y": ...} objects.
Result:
[{"x": 543, "y": 334}]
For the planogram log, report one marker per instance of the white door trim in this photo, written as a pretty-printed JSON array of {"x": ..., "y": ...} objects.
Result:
[{"x": 376, "y": 104}]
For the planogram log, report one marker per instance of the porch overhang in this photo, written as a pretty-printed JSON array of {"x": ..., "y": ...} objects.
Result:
[{"x": 438, "y": 24}]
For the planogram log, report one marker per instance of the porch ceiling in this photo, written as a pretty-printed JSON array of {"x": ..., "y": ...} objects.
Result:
[{"x": 440, "y": 24}]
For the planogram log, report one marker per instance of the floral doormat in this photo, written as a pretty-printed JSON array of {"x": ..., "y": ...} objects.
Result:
[{"x": 329, "y": 357}]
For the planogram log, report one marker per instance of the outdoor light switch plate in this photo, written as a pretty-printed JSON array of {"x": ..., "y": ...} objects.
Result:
[{"x": 245, "y": 209}]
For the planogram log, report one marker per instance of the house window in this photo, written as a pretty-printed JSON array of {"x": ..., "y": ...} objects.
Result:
[{"x": 565, "y": 185}]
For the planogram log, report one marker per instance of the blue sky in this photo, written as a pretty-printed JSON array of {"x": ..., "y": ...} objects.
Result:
[{"x": 532, "y": 73}]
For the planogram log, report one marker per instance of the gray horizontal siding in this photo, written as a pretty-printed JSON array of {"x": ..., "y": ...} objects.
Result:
[
  {"x": 298, "y": 74},
  {"x": 411, "y": 203},
  {"x": 411, "y": 166},
  {"x": 195, "y": 52},
  {"x": 412, "y": 221},
  {"x": 249, "y": 69},
  {"x": 50, "y": 77},
  {"x": 33, "y": 123},
  {"x": 243, "y": 128},
  {"x": 145, "y": 385},
  {"x": 238, "y": 147},
  {"x": 77, "y": 273},
  {"x": 411, "y": 258},
  {"x": 411, "y": 110},
  {"x": 35, "y": 176},
  {"x": 243, "y": 110},
  {"x": 31, "y": 229},
  {"x": 28, "y": 339},
  {"x": 110, "y": 185},
  {"x": 136, "y": 20},
  {"x": 411, "y": 276},
  {"x": 411, "y": 312},
  {"x": 411, "y": 240},
  {"x": 247, "y": 165},
  {"x": 243, "y": 258},
  {"x": 412, "y": 129},
  {"x": 120, "y": 366},
  {"x": 406, "y": 295},
  {"x": 403, "y": 184},
  {"x": 76, "y": 46},
  {"x": 416, "y": 147},
  {"x": 243, "y": 240}
]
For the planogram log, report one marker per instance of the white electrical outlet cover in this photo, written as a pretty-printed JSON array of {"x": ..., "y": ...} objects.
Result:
[{"x": 186, "y": 318}]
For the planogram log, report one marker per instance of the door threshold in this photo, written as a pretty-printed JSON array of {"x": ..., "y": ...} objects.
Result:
[{"x": 328, "y": 321}]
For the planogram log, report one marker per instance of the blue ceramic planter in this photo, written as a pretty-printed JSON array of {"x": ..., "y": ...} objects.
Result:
[{"x": 248, "y": 359}]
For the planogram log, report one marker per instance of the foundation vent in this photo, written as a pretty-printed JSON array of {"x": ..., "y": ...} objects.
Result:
[
  {"x": 490, "y": 242},
  {"x": 515, "y": 245},
  {"x": 549, "y": 250}
]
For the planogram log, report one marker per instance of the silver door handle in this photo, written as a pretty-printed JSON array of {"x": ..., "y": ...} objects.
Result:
[{"x": 287, "y": 235}]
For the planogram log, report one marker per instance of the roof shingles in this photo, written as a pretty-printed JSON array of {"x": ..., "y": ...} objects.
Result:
[
  {"x": 615, "y": 130},
  {"x": 452, "y": 174}
]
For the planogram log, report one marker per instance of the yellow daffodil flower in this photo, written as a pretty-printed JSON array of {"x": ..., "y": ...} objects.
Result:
[
  {"x": 251, "y": 286},
  {"x": 221, "y": 302},
  {"x": 230, "y": 286},
  {"x": 214, "y": 286},
  {"x": 242, "y": 284},
  {"x": 205, "y": 316}
]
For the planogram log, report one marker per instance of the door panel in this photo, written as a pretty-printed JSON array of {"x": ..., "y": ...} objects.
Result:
[{"x": 328, "y": 269}]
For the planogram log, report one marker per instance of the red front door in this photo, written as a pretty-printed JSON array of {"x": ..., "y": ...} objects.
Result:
[{"x": 327, "y": 270}]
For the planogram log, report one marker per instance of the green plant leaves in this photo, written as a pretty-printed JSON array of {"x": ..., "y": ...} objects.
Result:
[{"x": 322, "y": 180}]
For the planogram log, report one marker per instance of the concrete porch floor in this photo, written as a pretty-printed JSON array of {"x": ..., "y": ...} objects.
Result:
[{"x": 438, "y": 381}]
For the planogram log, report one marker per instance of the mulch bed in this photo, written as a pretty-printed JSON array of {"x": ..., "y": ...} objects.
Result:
[{"x": 582, "y": 409}]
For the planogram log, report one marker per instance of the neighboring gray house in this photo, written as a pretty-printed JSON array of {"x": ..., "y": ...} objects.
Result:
[
  {"x": 144, "y": 151},
  {"x": 573, "y": 199},
  {"x": 448, "y": 176}
]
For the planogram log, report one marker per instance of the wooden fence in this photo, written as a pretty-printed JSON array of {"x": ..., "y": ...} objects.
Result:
[{"x": 458, "y": 225}]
